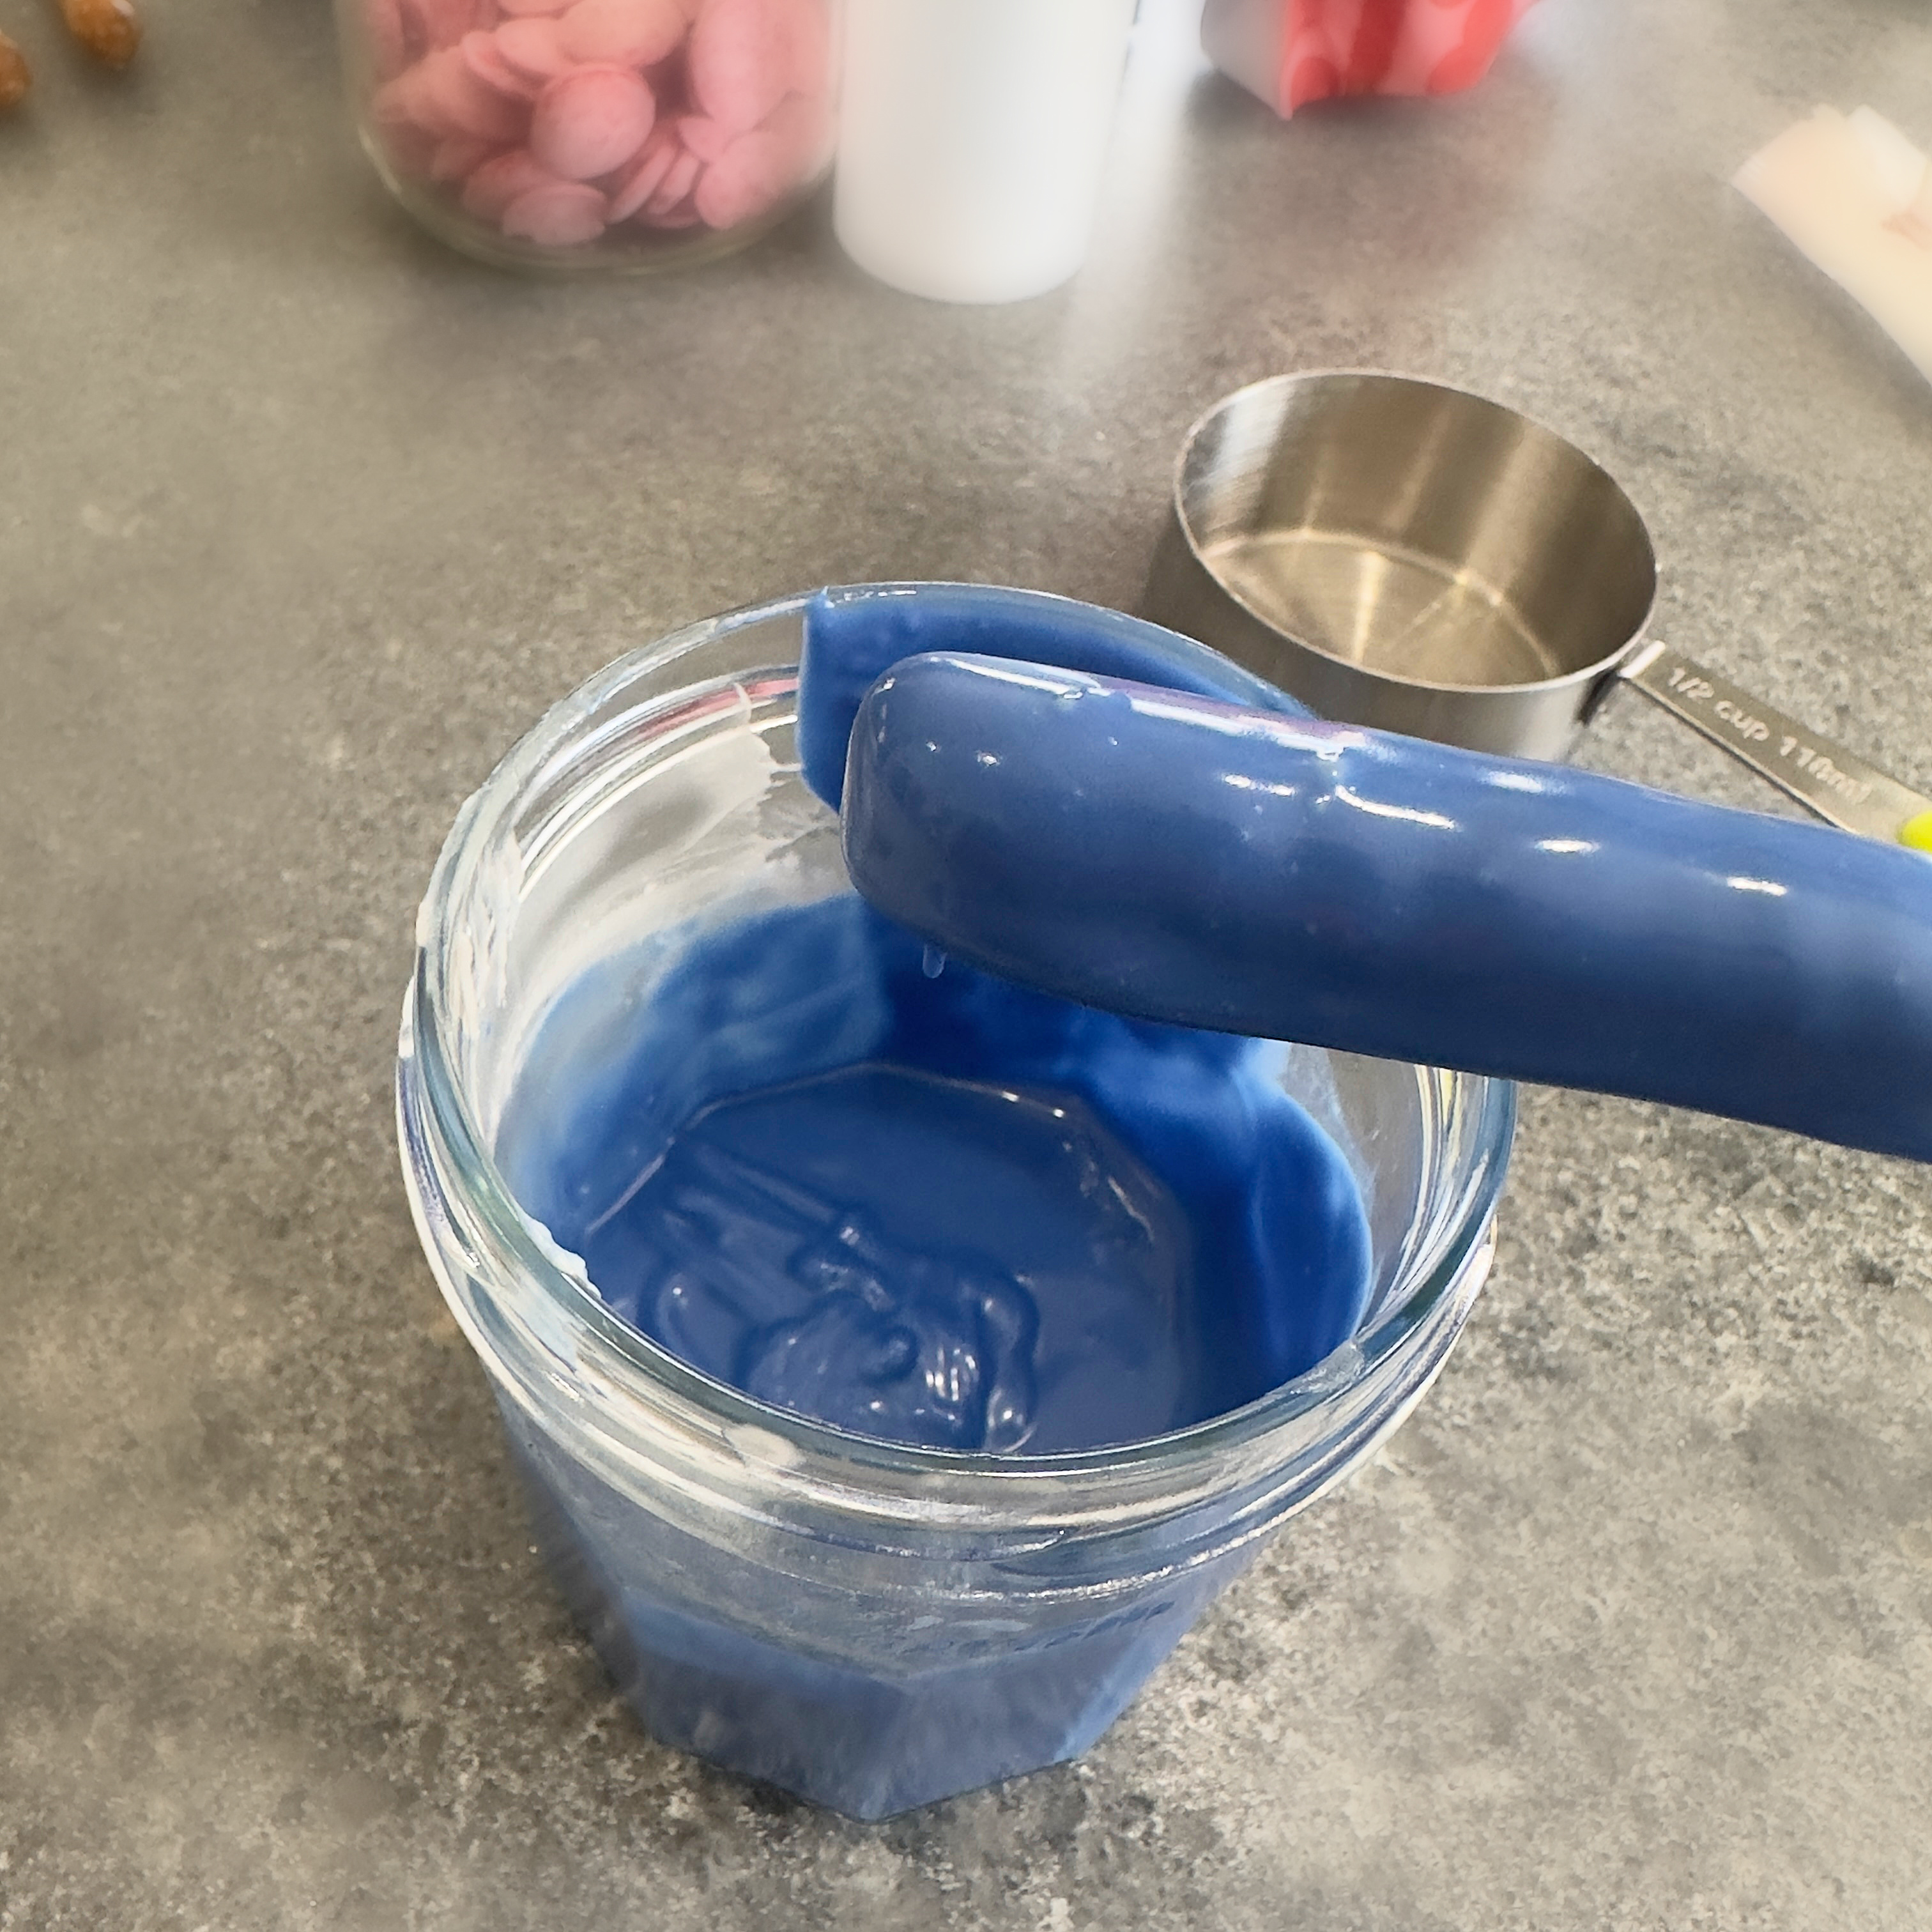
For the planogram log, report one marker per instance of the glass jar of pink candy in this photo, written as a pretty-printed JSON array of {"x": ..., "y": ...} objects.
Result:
[{"x": 624, "y": 134}]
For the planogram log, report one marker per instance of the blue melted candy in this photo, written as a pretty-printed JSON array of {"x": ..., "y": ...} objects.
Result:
[{"x": 820, "y": 1163}]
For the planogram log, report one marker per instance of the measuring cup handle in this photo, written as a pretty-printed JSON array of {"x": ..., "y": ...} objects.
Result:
[{"x": 1841, "y": 789}]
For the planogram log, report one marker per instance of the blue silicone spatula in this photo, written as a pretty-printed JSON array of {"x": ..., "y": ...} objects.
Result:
[{"x": 1159, "y": 852}]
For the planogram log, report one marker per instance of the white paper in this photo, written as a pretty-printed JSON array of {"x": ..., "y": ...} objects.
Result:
[{"x": 1856, "y": 195}]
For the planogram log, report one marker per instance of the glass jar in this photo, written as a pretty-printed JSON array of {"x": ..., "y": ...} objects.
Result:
[
  {"x": 870, "y": 1626},
  {"x": 607, "y": 134}
]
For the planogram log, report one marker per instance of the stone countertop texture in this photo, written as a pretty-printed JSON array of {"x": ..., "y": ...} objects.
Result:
[{"x": 303, "y": 520}]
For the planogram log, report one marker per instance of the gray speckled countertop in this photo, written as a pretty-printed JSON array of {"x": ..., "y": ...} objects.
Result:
[{"x": 303, "y": 520}]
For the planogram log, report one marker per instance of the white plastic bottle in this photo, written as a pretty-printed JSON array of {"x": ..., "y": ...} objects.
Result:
[{"x": 973, "y": 137}]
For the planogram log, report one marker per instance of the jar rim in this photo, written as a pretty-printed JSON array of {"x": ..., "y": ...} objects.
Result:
[{"x": 568, "y": 1310}]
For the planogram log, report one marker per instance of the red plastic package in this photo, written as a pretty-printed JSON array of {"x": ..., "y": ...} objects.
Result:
[{"x": 1292, "y": 52}]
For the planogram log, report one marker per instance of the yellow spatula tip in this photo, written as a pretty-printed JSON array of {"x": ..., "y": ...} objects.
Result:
[{"x": 1917, "y": 833}]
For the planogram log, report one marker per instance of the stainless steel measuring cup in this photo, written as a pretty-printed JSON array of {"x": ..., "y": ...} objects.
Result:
[{"x": 1399, "y": 553}]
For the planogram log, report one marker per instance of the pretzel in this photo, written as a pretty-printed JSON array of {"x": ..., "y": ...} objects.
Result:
[
  {"x": 15, "y": 76},
  {"x": 109, "y": 29}
]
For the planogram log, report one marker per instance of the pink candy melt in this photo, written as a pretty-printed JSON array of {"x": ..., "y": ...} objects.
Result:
[
  {"x": 679, "y": 179},
  {"x": 641, "y": 179},
  {"x": 592, "y": 120},
  {"x": 487, "y": 61},
  {"x": 741, "y": 60},
  {"x": 811, "y": 48},
  {"x": 682, "y": 112},
  {"x": 408, "y": 150},
  {"x": 497, "y": 183},
  {"x": 533, "y": 47},
  {"x": 802, "y": 128},
  {"x": 456, "y": 102},
  {"x": 387, "y": 45},
  {"x": 561, "y": 215},
  {"x": 621, "y": 33},
  {"x": 429, "y": 24},
  {"x": 705, "y": 139},
  {"x": 448, "y": 20},
  {"x": 746, "y": 181},
  {"x": 455, "y": 157}
]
